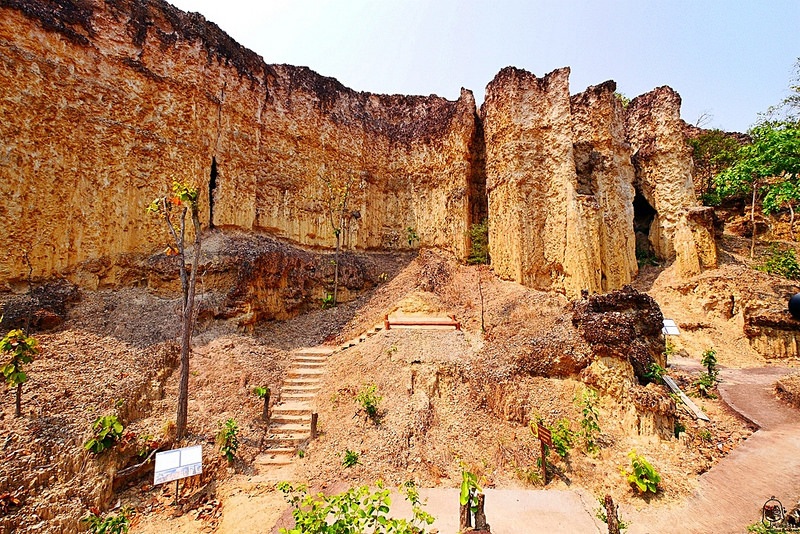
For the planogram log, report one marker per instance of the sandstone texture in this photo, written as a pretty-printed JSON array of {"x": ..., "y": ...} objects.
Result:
[
  {"x": 105, "y": 102},
  {"x": 559, "y": 183},
  {"x": 663, "y": 163}
]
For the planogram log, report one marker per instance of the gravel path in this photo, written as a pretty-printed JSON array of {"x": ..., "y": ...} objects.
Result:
[{"x": 730, "y": 495}]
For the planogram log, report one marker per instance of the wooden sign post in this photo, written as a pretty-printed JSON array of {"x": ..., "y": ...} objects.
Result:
[{"x": 545, "y": 438}]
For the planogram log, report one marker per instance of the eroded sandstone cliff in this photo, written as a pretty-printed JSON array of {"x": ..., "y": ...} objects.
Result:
[{"x": 105, "y": 101}]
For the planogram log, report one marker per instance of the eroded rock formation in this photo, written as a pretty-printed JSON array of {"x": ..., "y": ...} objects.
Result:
[{"x": 105, "y": 101}]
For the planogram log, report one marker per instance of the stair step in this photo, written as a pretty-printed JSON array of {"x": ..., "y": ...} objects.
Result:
[
  {"x": 291, "y": 418},
  {"x": 314, "y": 351},
  {"x": 306, "y": 372},
  {"x": 289, "y": 428},
  {"x": 306, "y": 358},
  {"x": 294, "y": 388},
  {"x": 292, "y": 408},
  {"x": 302, "y": 380},
  {"x": 299, "y": 397},
  {"x": 287, "y": 439}
]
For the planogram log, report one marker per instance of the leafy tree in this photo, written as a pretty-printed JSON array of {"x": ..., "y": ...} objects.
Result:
[
  {"x": 713, "y": 151},
  {"x": 785, "y": 193},
  {"x": 183, "y": 200},
  {"x": 20, "y": 349},
  {"x": 338, "y": 191},
  {"x": 772, "y": 159}
]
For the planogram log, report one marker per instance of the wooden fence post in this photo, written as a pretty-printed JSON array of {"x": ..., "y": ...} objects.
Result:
[
  {"x": 314, "y": 417},
  {"x": 611, "y": 515}
]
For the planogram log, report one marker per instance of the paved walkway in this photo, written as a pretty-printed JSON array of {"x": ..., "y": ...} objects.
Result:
[{"x": 730, "y": 496}]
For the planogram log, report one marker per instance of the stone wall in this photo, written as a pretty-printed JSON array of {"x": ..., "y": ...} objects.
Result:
[{"x": 105, "y": 101}]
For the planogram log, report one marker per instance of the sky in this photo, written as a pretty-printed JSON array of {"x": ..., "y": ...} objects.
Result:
[{"x": 729, "y": 59}]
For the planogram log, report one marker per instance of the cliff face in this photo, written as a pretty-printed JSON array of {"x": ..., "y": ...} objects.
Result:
[
  {"x": 559, "y": 182},
  {"x": 104, "y": 102}
]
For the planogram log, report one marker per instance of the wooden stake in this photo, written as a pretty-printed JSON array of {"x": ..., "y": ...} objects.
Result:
[
  {"x": 314, "y": 417},
  {"x": 544, "y": 462},
  {"x": 611, "y": 515}
]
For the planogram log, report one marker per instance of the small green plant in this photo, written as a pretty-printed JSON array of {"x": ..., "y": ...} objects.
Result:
[
  {"x": 328, "y": 301},
  {"x": 469, "y": 490},
  {"x": 645, "y": 257},
  {"x": 107, "y": 432},
  {"x": 655, "y": 373},
  {"x": 600, "y": 513},
  {"x": 479, "y": 239},
  {"x": 622, "y": 98},
  {"x": 19, "y": 349},
  {"x": 383, "y": 277},
  {"x": 356, "y": 510},
  {"x": 227, "y": 439},
  {"x": 562, "y": 437},
  {"x": 391, "y": 350},
  {"x": 113, "y": 524},
  {"x": 781, "y": 261},
  {"x": 301, "y": 453},
  {"x": 709, "y": 361},
  {"x": 369, "y": 401},
  {"x": 705, "y": 385},
  {"x": 590, "y": 421},
  {"x": 669, "y": 347},
  {"x": 351, "y": 458},
  {"x": 678, "y": 428},
  {"x": 530, "y": 475},
  {"x": 705, "y": 435},
  {"x": 761, "y": 528},
  {"x": 642, "y": 474},
  {"x": 411, "y": 236}
]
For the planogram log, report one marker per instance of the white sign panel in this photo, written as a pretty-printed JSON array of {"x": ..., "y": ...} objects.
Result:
[
  {"x": 670, "y": 328},
  {"x": 178, "y": 463}
]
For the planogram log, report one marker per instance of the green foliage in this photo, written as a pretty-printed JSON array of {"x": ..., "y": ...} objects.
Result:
[
  {"x": 530, "y": 475},
  {"x": 107, "y": 432},
  {"x": 761, "y": 528},
  {"x": 479, "y": 239},
  {"x": 113, "y": 524},
  {"x": 562, "y": 437},
  {"x": 227, "y": 439},
  {"x": 328, "y": 301},
  {"x": 19, "y": 349},
  {"x": 782, "y": 262},
  {"x": 411, "y": 236},
  {"x": 590, "y": 421},
  {"x": 642, "y": 474},
  {"x": 622, "y": 98},
  {"x": 182, "y": 195},
  {"x": 469, "y": 489},
  {"x": 600, "y": 513},
  {"x": 369, "y": 401},
  {"x": 713, "y": 151},
  {"x": 355, "y": 511},
  {"x": 260, "y": 392},
  {"x": 669, "y": 348},
  {"x": 709, "y": 361},
  {"x": 781, "y": 194},
  {"x": 705, "y": 435},
  {"x": 705, "y": 385},
  {"x": 655, "y": 373},
  {"x": 646, "y": 257},
  {"x": 350, "y": 458},
  {"x": 679, "y": 427}
]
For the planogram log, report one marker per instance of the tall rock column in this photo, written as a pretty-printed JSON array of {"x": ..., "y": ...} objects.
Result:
[
  {"x": 530, "y": 174},
  {"x": 663, "y": 164},
  {"x": 605, "y": 177}
]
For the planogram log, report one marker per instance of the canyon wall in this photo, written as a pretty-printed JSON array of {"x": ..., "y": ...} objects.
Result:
[{"x": 104, "y": 102}]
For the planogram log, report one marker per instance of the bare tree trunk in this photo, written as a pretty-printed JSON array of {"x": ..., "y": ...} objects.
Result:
[
  {"x": 611, "y": 515},
  {"x": 791, "y": 221},
  {"x": 186, "y": 331},
  {"x": 480, "y": 515},
  {"x": 753, "y": 222},
  {"x": 480, "y": 290},
  {"x": 18, "y": 410},
  {"x": 265, "y": 411},
  {"x": 464, "y": 516},
  {"x": 336, "y": 267}
]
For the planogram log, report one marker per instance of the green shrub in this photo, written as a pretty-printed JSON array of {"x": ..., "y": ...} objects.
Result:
[
  {"x": 227, "y": 439},
  {"x": 781, "y": 261},
  {"x": 705, "y": 384},
  {"x": 642, "y": 474},
  {"x": 709, "y": 361},
  {"x": 679, "y": 427},
  {"x": 113, "y": 524},
  {"x": 350, "y": 458},
  {"x": 590, "y": 421},
  {"x": 562, "y": 437},
  {"x": 479, "y": 239},
  {"x": 655, "y": 373},
  {"x": 369, "y": 401},
  {"x": 328, "y": 301},
  {"x": 20, "y": 349},
  {"x": 107, "y": 432},
  {"x": 644, "y": 257},
  {"x": 356, "y": 510},
  {"x": 411, "y": 236}
]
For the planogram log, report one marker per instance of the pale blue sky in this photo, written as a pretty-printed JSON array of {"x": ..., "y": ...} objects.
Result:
[{"x": 731, "y": 59}]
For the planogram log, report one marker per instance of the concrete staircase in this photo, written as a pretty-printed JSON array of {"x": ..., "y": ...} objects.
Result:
[{"x": 290, "y": 421}]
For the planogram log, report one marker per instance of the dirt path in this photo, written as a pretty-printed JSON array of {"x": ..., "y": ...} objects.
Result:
[{"x": 730, "y": 495}]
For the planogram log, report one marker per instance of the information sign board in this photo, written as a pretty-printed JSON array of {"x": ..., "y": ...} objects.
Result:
[{"x": 178, "y": 463}]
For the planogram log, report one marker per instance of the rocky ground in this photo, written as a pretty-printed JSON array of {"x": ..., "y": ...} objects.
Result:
[{"x": 114, "y": 354}]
